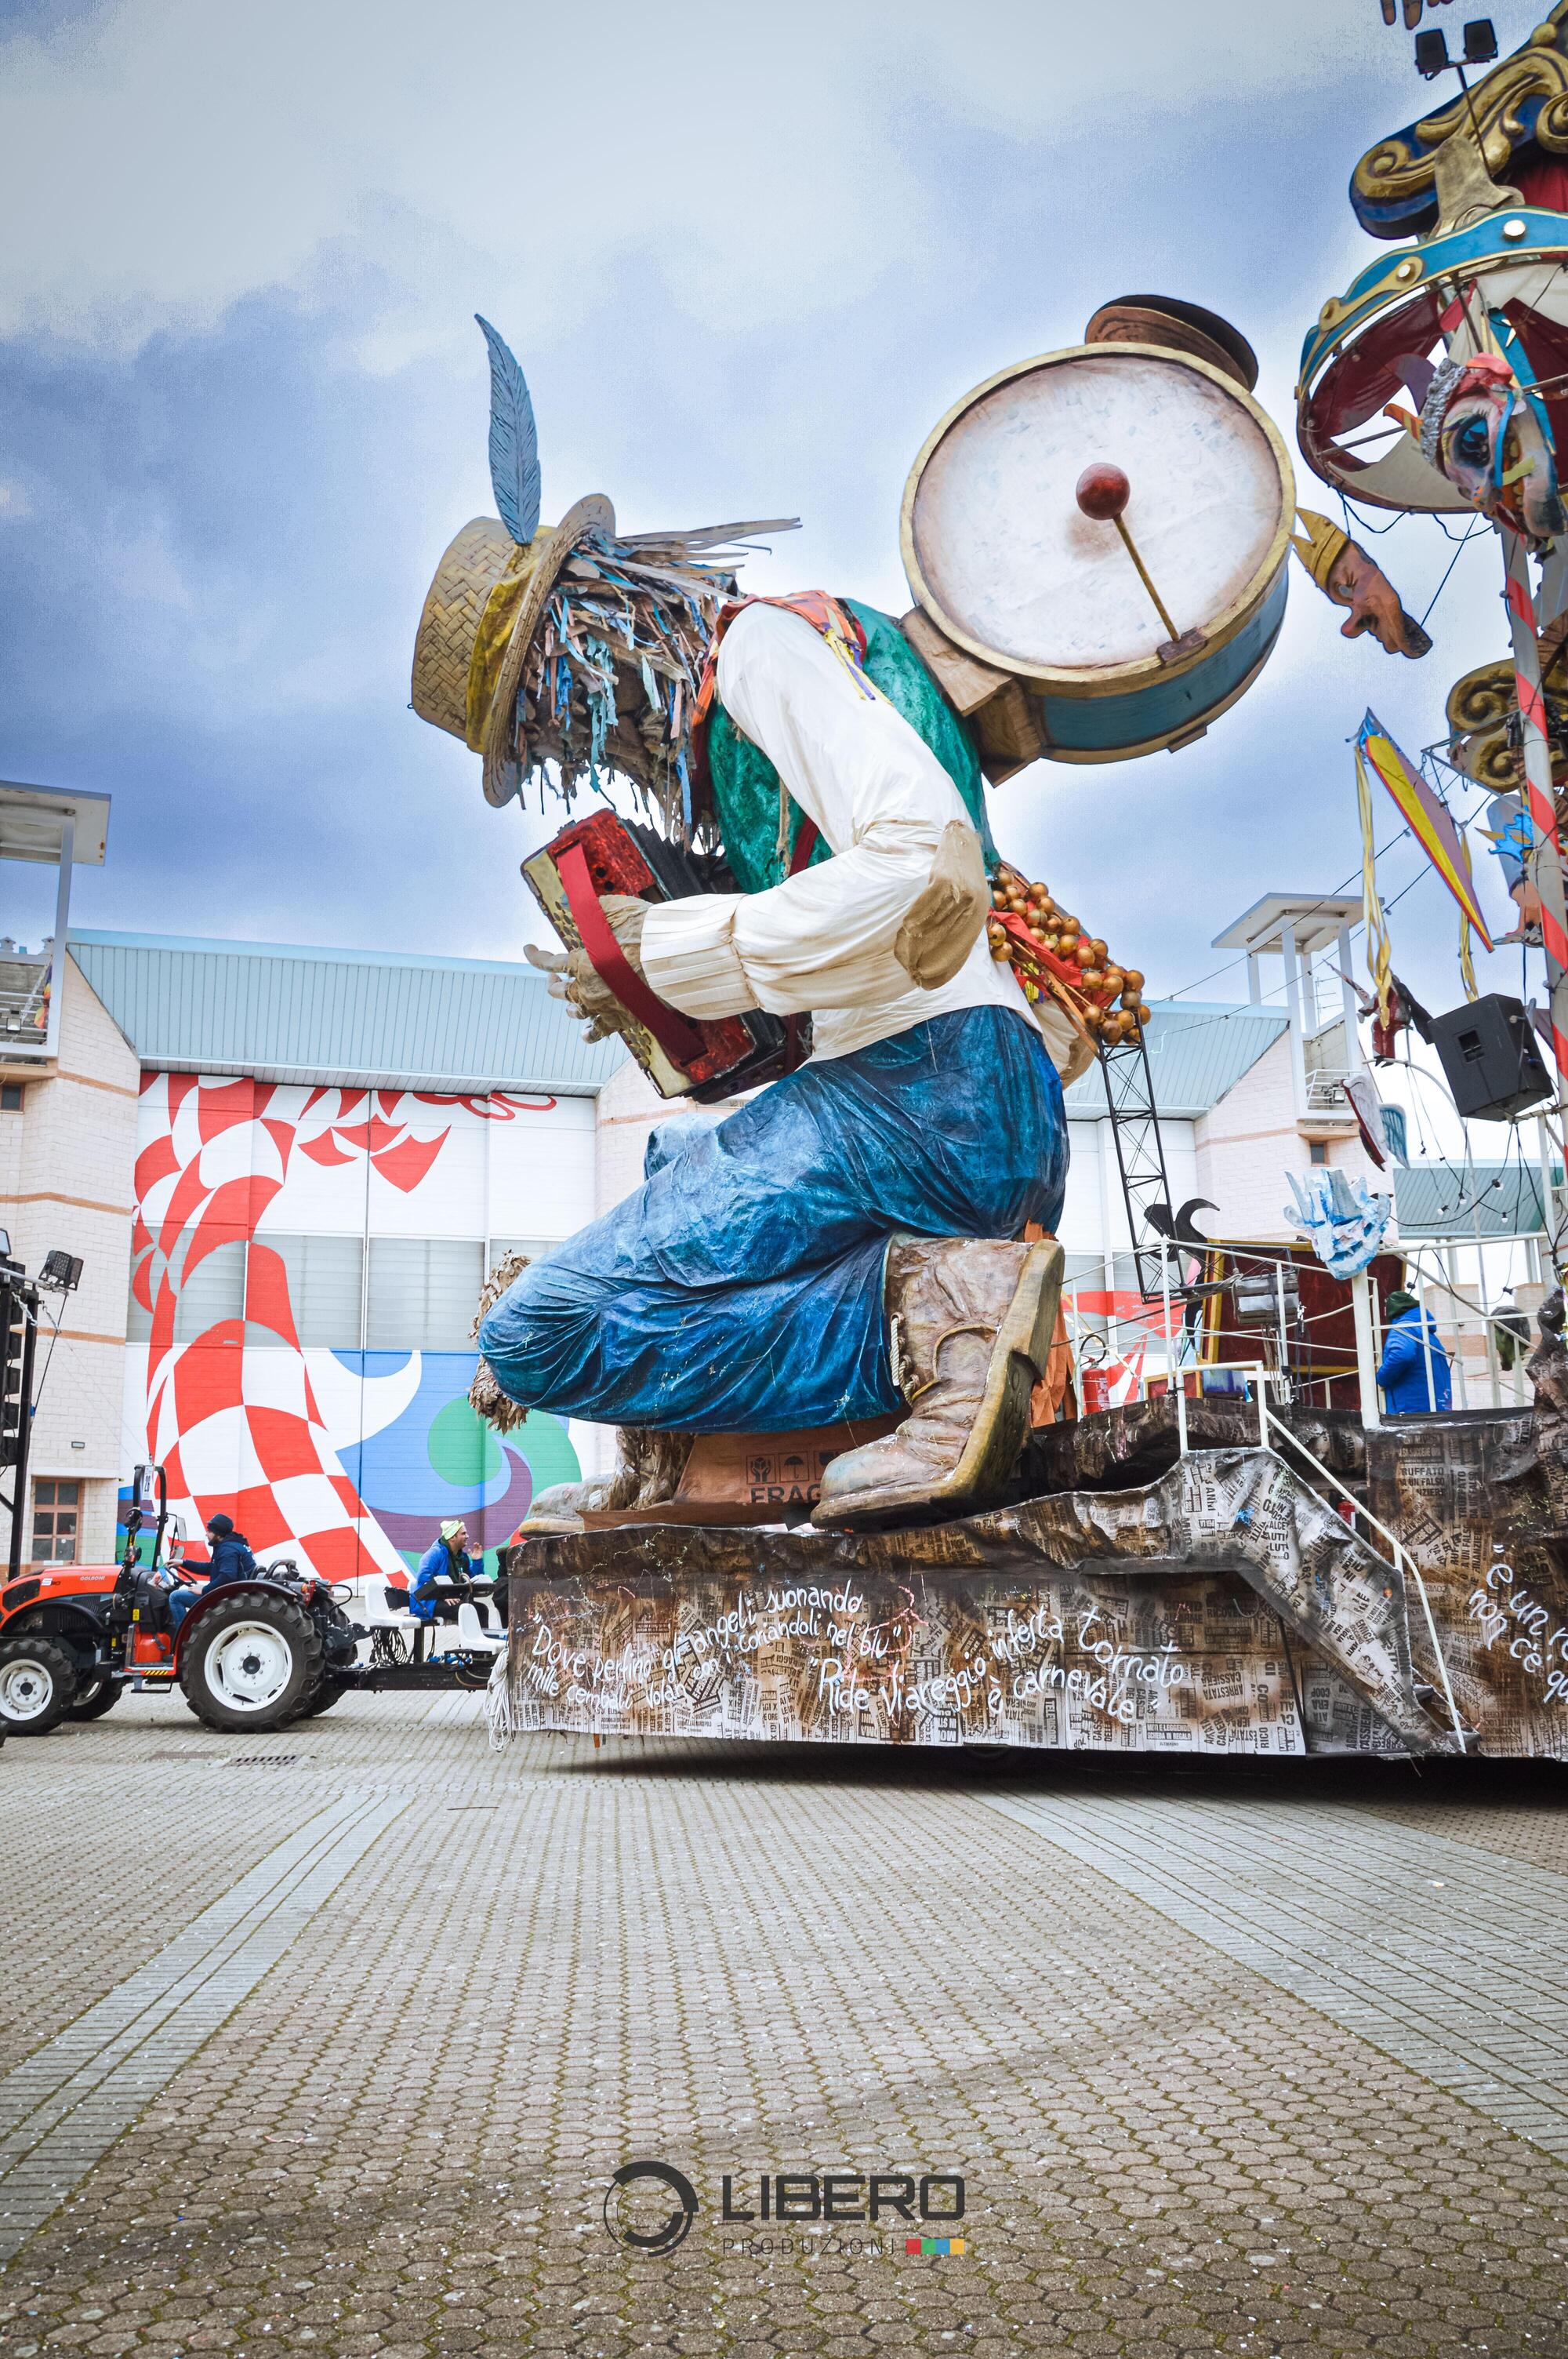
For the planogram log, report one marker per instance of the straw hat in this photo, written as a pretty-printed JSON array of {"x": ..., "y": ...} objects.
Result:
[{"x": 479, "y": 616}]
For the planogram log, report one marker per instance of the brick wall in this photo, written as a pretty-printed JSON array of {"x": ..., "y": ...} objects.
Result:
[
  {"x": 1250, "y": 1139},
  {"x": 66, "y": 1171}
]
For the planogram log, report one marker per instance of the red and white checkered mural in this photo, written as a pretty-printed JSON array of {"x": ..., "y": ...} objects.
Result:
[{"x": 243, "y": 1427}]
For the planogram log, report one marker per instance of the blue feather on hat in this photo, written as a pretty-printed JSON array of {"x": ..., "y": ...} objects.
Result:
[{"x": 513, "y": 443}]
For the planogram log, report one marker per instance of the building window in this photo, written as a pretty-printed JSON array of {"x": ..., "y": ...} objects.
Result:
[
  {"x": 1317, "y": 1149},
  {"x": 537, "y": 1248},
  {"x": 214, "y": 1293},
  {"x": 10, "y": 1097},
  {"x": 324, "y": 1277},
  {"x": 421, "y": 1296},
  {"x": 423, "y": 1293},
  {"x": 56, "y": 1508}
]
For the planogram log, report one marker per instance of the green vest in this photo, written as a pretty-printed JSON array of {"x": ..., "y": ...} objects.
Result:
[{"x": 747, "y": 787}]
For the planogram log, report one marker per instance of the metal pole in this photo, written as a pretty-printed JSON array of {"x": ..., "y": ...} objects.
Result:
[
  {"x": 1365, "y": 1366},
  {"x": 1536, "y": 754},
  {"x": 62, "y": 922},
  {"x": 1284, "y": 1332},
  {"x": 1105, "y": 1147},
  {"x": 1293, "y": 1009},
  {"x": 1112, "y": 1337},
  {"x": 1450, "y": 1261},
  {"x": 1173, "y": 1375},
  {"x": 27, "y": 1297},
  {"x": 1548, "y": 1201},
  {"x": 1347, "y": 1002},
  {"x": 1424, "y": 1320}
]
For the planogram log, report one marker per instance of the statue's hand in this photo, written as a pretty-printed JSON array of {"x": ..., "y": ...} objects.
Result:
[
  {"x": 945, "y": 920},
  {"x": 575, "y": 979}
]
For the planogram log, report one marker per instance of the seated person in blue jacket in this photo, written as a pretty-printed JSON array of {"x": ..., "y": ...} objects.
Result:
[
  {"x": 1413, "y": 1370},
  {"x": 446, "y": 1560},
  {"x": 230, "y": 1560}
]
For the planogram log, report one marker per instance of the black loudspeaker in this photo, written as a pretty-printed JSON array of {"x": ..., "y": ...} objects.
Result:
[{"x": 1489, "y": 1057}]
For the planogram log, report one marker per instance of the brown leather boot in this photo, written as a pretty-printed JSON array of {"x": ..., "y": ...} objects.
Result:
[
  {"x": 649, "y": 1466},
  {"x": 975, "y": 1318}
]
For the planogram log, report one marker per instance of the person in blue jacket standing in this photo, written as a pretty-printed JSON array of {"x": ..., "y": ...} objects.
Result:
[{"x": 1413, "y": 1370}]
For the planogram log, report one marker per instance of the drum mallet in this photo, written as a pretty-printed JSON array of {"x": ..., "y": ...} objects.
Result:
[{"x": 1103, "y": 491}]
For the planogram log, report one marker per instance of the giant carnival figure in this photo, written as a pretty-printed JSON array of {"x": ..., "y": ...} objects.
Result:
[{"x": 869, "y": 1239}]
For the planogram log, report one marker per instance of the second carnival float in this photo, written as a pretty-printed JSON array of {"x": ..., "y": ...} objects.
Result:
[{"x": 863, "y": 1492}]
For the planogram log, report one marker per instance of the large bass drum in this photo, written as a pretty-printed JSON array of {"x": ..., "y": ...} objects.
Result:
[{"x": 1012, "y": 571}]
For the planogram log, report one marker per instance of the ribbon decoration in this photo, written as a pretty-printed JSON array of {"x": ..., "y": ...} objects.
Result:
[
  {"x": 1045, "y": 971},
  {"x": 1428, "y": 821},
  {"x": 1466, "y": 963}
]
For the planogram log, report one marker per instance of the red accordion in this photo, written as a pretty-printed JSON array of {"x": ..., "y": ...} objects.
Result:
[{"x": 683, "y": 1056}]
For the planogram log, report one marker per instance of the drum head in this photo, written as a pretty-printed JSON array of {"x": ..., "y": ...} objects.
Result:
[{"x": 1001, "y": 557}]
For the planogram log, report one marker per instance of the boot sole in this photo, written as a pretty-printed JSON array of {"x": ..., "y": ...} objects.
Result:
[{"x": 996, "y": 1439}]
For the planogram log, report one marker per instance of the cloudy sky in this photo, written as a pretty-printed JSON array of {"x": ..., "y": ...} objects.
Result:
[{"x": 748, "y": 257}]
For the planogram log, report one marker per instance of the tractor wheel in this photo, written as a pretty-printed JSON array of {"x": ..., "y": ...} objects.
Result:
[
  {"x": 38, "y": 1680},
  {"x": 94, "y": 1697},
  {"x": 249, "y": 1662}
]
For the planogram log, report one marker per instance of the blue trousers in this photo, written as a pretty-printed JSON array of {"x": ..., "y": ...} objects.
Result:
[{"x": 741, "y": 1289}]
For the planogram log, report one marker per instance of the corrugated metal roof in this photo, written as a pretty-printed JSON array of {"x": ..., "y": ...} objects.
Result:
[
  {"x": 1197, "y": 1052},
  {"x": 1440, "y": 1200},
  {"x": 287, "y": 1013}
]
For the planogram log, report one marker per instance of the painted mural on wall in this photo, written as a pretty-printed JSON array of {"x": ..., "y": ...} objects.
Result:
[{"x": 348, "y": 1453}]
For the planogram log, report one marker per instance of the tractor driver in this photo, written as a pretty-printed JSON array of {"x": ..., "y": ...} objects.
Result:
[{"x": 230, "y": 1560}]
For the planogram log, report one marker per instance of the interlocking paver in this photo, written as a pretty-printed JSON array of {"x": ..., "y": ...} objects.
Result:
[{"x": 397, "y": 2138}]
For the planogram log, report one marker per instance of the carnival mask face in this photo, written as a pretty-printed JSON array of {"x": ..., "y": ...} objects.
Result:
[
  {"x": 1374, "y": 602},
  {"x": 1493, "y": 450}
]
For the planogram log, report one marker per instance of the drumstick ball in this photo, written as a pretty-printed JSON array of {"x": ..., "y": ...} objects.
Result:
[{"x": 1103, "y": 491}]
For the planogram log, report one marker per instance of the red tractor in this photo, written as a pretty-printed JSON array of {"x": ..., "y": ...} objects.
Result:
[{"x": 249, "y": 1655}]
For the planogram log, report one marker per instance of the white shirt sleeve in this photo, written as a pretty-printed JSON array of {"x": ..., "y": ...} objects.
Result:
[{"x": 880, "y": 797}]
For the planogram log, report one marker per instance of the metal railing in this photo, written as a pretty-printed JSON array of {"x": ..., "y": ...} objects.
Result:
[
  {"x": 1403, "y": 1562},
  {"x": 1174, "y": 1378},
  {"x": 23, "y": 1008},
  {"x": 1463, "y": 1316}
]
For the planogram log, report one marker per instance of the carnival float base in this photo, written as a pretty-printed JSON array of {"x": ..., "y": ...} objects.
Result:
[{"x": 1223, "y": 1606}]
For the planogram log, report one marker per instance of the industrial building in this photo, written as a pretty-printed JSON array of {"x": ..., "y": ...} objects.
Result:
[{"x": 286, "y": 1171}]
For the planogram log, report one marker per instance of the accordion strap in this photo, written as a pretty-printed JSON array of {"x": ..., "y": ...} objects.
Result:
[{"x": 675, "y": 1036}]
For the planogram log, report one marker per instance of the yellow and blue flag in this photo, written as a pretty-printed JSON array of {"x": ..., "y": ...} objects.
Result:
[{"x": 1428, "y": 822}]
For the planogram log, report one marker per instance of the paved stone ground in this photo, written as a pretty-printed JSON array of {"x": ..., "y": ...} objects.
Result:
[{"x": 331, "y": 2040}]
